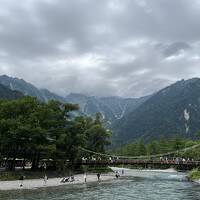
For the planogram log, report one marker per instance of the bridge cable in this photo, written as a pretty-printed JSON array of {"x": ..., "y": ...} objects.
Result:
[{"x": 137, "y": 157}]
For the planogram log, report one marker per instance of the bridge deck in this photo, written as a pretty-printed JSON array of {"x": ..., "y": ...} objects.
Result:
[{"x": 141, "y": 162}]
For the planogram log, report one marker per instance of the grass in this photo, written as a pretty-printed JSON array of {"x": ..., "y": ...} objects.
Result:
[{"x": 194, "y": 174}]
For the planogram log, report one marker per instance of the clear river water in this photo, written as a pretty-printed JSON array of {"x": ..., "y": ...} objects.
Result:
[{"x": 137, "y": 185}]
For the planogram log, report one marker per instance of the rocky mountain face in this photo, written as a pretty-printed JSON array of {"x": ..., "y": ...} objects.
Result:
[
  {"x": 6, "y": 93},
  {"x": 28, "y": 89},
  {"x": 174, "y": 110},
  {"x": 111, "y": 108}
]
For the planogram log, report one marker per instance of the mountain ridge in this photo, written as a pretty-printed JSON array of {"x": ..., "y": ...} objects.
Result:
[
  {"x": 6, "y": 93},
  {"x": 28, "y": 88},
  {"x": 172, "y": 110},
  {"x": 111, "y": 108}
]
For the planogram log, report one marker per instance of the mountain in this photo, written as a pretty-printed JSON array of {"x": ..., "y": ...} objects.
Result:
[
  {"x": 121, "y": 106},
  {"x": 47, "y": 95},
  {"x": 6, "y": 93},
  {"x": 174, "y": 110},
  {"x": 28, "y": 89},
  {"x": 171, "y": 111},
  {"x": 111, "y": 108}
]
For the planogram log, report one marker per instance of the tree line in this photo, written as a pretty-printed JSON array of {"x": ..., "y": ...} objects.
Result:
[
  {"x": 160, "y": 146},
  {"x": 33, "y": 130}
]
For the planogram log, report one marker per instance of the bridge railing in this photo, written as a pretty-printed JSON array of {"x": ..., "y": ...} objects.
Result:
[{"x": 127, "y": 161}]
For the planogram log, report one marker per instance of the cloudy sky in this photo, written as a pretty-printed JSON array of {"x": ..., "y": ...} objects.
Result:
[{"x": 100, "y": 47}]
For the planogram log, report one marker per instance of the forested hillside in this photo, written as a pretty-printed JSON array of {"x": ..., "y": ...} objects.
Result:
[{"x": 171, "y": 111}]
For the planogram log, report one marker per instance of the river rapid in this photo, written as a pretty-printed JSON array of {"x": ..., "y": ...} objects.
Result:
[{"x": 136, "y": 184}]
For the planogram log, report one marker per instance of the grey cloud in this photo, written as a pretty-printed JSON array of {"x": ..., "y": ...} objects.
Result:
[
  {"x": 107, "y": 47},
  {"x": 175, "y": 48}
]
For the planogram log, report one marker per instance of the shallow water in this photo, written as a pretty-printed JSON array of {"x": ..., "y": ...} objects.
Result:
[{"x": 137, "y": 185}]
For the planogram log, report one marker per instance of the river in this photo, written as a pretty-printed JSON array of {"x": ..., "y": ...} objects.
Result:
[{"x": 139, "y": 185}]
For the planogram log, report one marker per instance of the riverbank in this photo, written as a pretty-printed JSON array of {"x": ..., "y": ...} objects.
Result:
[
  {"x": 169, "y": 170},
  {"x": 30, "y": 184},
  {"x": 194, "y": 176},
  {"x": 29, "y": 174},
  {"x": 52, "y": 182},
  {"x": 136, "y": 184}
]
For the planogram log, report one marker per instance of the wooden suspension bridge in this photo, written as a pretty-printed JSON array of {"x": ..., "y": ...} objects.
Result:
[
  {"x": 185, "y": 165},
  {"x": 165, "y": 160}
]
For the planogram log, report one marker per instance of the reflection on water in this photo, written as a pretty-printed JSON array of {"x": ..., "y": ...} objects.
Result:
[{"x": 138, "y": 185}]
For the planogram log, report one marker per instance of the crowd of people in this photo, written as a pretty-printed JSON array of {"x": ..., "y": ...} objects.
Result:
[{"x": 176, "y": 160}]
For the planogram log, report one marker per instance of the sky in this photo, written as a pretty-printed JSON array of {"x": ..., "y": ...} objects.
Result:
[{"x": 127, "y": 48}]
